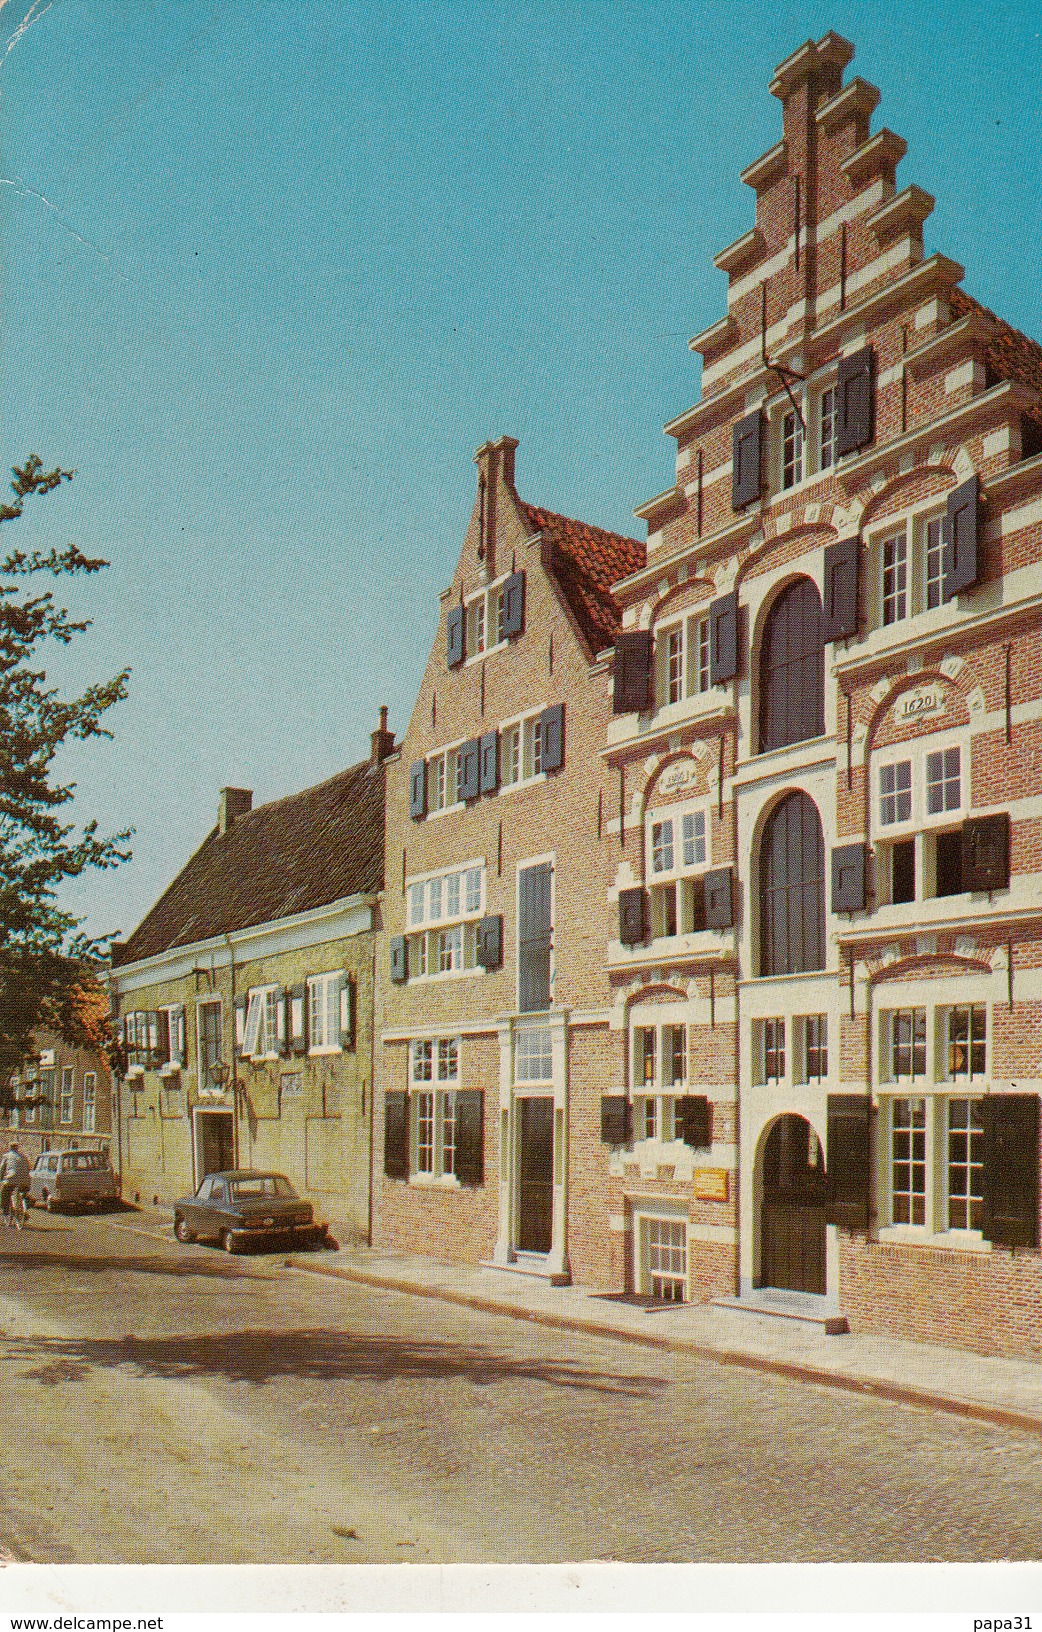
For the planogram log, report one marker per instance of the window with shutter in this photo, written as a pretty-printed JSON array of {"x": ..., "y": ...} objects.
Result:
[
  {"x": 552, "y": 737},
  {"x": 985, "y": 852},
  {"x": 792, "y": 889},
  {"x": 723, "y": 639},
  {"x": 490, "y": 762},
  {"x": 694, "y": 1121},
  {"x": 1011, "y": 1163},
  {"x": 454, "y": 639},
  {"x": 718, "y": 896},
  {"x": 399, "y": 960},
  {"x": 534, "y": 937},
  {"x": 240, "y": 1026},
  {"x": 632, "y": 676},
  {"x": 615, "y": 1119},
  {"x": 841, "y": 571},
  {"x": 848, "y": 1165},
  {"x": 470, "y": 770},
  {"x": 490, "y": 942},
  {"x": 633, "y": 917},
  {"x": 348, "y": 1011},
  {"x": 792, "y": 668},
  {"x": 854, "y": 402},
  {"x": 396, "y": 1135},
  {"x": 513, "y": 606},
  {"x": 469, "y": 1142},
  {"x": 297, "y": 1027},
  {"x": 418, "y": 790},
  {"x": 848, "y": 878},
  {"x": 959, "y": 530},
  {"x": 747, "y": 460}
]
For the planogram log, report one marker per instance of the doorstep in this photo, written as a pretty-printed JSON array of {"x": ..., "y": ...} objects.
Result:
[
  {"x": 531, "y": 1264},
  {"x": 781, "y": 1305}
]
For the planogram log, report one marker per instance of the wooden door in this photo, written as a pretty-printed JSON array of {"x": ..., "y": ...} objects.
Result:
[
  {"x": 792, "y": 1216},
  {"x": 535, "y": 1200}
]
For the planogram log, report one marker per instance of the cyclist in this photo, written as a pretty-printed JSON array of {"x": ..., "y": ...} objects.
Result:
[{"x": 14, "y": 1175}]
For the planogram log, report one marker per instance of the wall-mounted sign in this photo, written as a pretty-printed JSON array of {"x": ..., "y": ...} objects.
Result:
[
  {"x": 47, "y": 1056},
  {"x": 921, "y": 700},
  {"x": 711, "y": 1183}
]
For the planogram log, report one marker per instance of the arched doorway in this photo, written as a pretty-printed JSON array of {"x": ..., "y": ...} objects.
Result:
[
  {"x": 792, "y": 889},
  {"x": 792, "y": 668},
  {"x": 792, "y": 1212}
]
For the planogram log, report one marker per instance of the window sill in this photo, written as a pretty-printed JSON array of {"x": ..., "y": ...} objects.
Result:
[
  {"x": 488, "y": 651},
  {"x": 917, "y": 1235},
  {"x": 440, "y": 975},
  {"x": 667, "y": 949},
  {"x": 324, "y": 1053},
  {"x": 434, "y": 1181}
]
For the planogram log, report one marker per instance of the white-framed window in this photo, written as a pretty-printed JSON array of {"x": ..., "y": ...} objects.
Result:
[
  {"x": 943, "y": 781},
  {"x": 894, "y": 587},
  {"x": 771, "y": 1049},
  {"x": 90, "y": 1100},
  {"x": 676, "y": 853},
  {"x": 660, "y": 1077},
  {"x": 827, "y": 428},
  {"x": 483, "y": 619},
  {"x": 933, "y": 562},
  {"x": 264, "y": 1030},
  {"x": 65, "y": 1110},
  {"x": 209, "y": 1023},
  {"x": 533, "y": 1054},
  {"x": 921, "y": 797},
  {"x": 791, "y": 449},
  {"x": 903, "y": 1044},
  {"x": 909, "y": 566},
  {"x": 964, "y": 1041},
  {"x": 895, "y": 792},
  {"x": 433, "y": 1080},
  {"x": 324, "y": 1013},
  {"x": 811, "y": 1043},
  {"x": 663, "y": 1258},
  {"x": 141, "y": 1038},
  {"x": 682, "y": 659},
  {"x": 444, "y": 910},
  {"x": 933, "y": 1158},
  {"x": 521, "y": 750},
  {"x": 443, "y": 780}
]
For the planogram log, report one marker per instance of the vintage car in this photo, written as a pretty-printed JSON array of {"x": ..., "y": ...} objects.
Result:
[
  {"x": 245, "y": 1208},
  {"x": 72, "y": 1178}
]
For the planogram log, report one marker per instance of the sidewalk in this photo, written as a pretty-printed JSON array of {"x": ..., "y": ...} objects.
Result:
[{"x": 1005, "y": 1392}]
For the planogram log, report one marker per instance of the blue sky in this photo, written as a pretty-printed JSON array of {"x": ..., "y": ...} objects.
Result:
[{"x": 271, "y": 272}]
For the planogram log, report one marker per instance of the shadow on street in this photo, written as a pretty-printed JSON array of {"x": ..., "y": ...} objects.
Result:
[
  {"x": 139, "y": 1264},
  {"x": 318, "y": 1354}
]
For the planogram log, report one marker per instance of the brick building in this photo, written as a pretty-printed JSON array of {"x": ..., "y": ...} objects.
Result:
[
  {"x": 494, "y": 1012},
  {"x": 827, "y": 745},
  {"x": 244, "y": 1000},
  {"x": 66, "y": 1094}
]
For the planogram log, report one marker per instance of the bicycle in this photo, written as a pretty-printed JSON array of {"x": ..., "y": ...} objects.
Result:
[{"x": 15, "y": 1211}]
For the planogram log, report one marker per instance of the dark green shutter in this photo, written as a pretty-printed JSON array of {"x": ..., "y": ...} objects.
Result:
[
  {"x": 490, "y": 942},
  {"x": 985, "y": 852},
  {"x": 747, "y": 460},
  {"x": 695, "y": 1118},
  {"x": 418, "y": 790},
  {"x": 839, "y": 610},
  {"x": 399, "y": 958},
  {"x": 1011, "y": 1169},
  {"x": 718, "y": 889},
  {"x": 534, "y": 937},
  {"x": 298, "y": 1037},
  {"x": 470, "y": 770},
  {"x": 848, "y": 878},
  {"x": 633, "y": 918},
  {"x": 348, "y": 1011},
  {"x": 632, "y": 691},
  {"x": 469, "y": 1154},
  {"x": 960, "y": 565},
  {"x": 514, "y": 605},
  {"x": 552, "y": 722},
  {"x": 848, "y": 1161},
  {"x": 854, "y": 402},
  {"x": 723, "y": 639},
  {"x": 490, "y": 762},
  {"x": 396, "y": 1135},
  {"x": 454, "y": 647},
  {"x": 615, "y": 1119}
]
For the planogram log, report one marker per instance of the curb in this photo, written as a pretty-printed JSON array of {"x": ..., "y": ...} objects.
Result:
[{"x": 868, "y": 1387}]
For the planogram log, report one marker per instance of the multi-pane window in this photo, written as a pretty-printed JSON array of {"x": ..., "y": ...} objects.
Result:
[
  {"x": 683, "y": 659},
  {"x": 443, "y": 780},
  {"x": 265, "y": 1022},
  {"x": 443, "y": 920},
  {"x": 434, "y": 1076},
  {"x": 773, "y": 1039},
  {"x": 792, "y": 449},
  {"x": 665, "y": 1254},
  {"x": 675, "y": 664},
  {"x": 934, "y": 563},
  {"x": 895, "y": 792},
  {"x": 908, "y": 1161},
  {"x": 324, "y": 1012},
  {"x": 521, "y": 751},
  {"x": 827, "y": 429},
  {"x": 812, "y": 1054},
  {"x": 90, "y": 1100},
  {"x": 476, "y": 626},
  {"x": 693, "y": 838},
  {"x": 662, "y": 846},
  {"x": 659, "y": 1077},
  {"x": 965, "y": 1164},
  {"x": 483, "y": 614},
  {"x": 533, "y": 1055},
  {"x": 943, "y": 782},
  {"x": 209, "y": 1022},
  {"x": 904, "y": 1043},
  {"x": 966, "y": 1040},
  {"x": 895, "y": 578},
  {"x": 676, "y": 849},
  {"x": 66, "y": 1099}
]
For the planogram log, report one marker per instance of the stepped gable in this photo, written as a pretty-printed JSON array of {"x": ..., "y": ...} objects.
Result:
[
  {"x": 1011, "y": 355},
  {"x": 283, "y": 858},
  {"x": 586, "y": 561}
]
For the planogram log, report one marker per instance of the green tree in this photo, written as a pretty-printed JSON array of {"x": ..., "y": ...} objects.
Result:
[{"x": 45, "y": 962}]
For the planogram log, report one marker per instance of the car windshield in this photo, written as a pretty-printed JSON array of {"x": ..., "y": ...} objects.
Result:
[
  {"x": 261, "y": 1184},
  {"x": 83, "y": 1161}
]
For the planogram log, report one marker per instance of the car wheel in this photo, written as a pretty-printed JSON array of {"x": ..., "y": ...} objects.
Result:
[
  {"x": 50, "y": 1202},
  {"x": 228, "y": 1241},
  {"x": 182, "y": 1230}
]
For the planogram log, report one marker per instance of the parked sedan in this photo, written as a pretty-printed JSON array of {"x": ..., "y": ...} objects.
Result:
[
  {"x": 246, "y": 1208},
  {"x": 72, "y": 1178}
]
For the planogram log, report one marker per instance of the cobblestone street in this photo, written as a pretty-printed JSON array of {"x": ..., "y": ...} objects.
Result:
[{"x": 293, "y": 1418}]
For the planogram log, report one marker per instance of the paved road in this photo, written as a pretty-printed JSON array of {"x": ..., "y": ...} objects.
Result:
[{"x": 178, "y": 1406}]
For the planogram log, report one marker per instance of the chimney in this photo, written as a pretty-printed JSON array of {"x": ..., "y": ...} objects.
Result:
[
  {"x": 381, "y": 739},
  {"x": 233, "y": 803},
  {"x": 495, "y": 462}
]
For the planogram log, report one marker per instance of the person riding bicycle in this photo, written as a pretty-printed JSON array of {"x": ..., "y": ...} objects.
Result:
[{"x": 14, "y": 1175}]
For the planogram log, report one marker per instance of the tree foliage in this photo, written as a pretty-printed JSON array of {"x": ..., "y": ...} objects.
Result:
[{"x": 46, "y": 964}]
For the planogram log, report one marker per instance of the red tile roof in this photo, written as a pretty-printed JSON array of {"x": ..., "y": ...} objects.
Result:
[
  {"x": 286, "y": 857},
  {"x": 1011, "y": 355},
  {"x": 586, "y": 561}
]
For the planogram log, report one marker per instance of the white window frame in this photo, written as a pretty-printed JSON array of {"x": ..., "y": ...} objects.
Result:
[
  {"x": 90, "y": 1100},
  {"x": 654, "y": 1098},
  {"x": 804, "y": 1028},
  {"x": 935, "y": 1157},
  {"x": 671, "y": 886},
  {"x": 434, "y": 1079},
  {"x": 443, "y": 780},
  {"x": 211, "y": 1000},
  {"x": 682, "y": 660},
  {"x": 663, "y": 1255},
  {"x": 324, "y": 989},
  {"x": 263, "y": 1014},
  {"x": 919, "y": 530},
  {"x": 521, "y": 750},
  {"x": 68, "y": 1094},
  {"x": 490, "y": 599},
  {"x": 444, "y": 910},
  {"x": 921, "y": 824}
]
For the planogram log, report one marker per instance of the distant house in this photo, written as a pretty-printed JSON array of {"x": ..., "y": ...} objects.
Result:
[
  {"x": 244, "y": 999},
  {"x": 63, "y": 1096}
]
